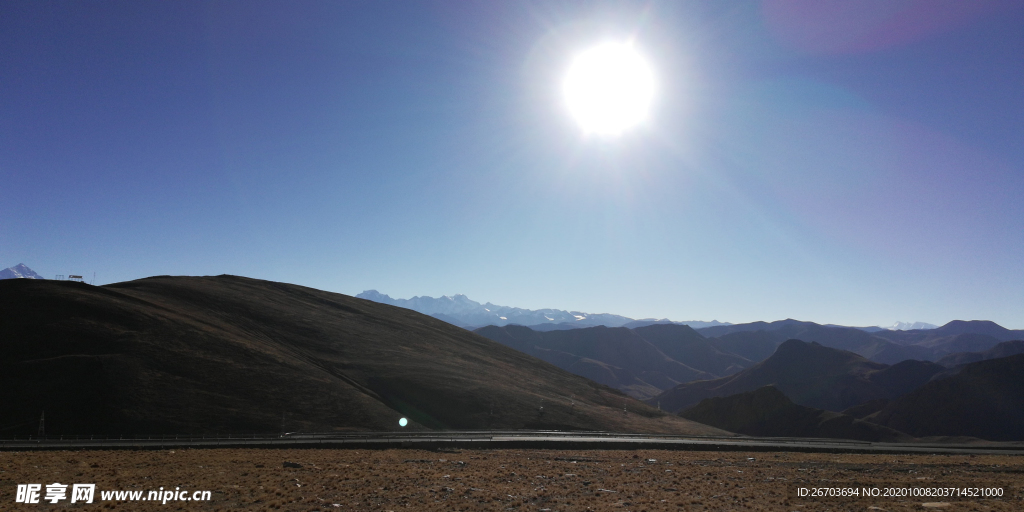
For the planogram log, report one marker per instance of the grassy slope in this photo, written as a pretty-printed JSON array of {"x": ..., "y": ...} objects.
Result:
[{"x": 232, "y": 354}]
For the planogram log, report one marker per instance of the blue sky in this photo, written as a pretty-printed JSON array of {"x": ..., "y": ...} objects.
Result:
[{"x": 851, "y": 163}]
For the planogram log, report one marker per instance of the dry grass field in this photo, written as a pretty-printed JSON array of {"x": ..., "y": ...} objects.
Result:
[
  {"x": 535, "y": 480},
  {"x": 227, "y": 354}
]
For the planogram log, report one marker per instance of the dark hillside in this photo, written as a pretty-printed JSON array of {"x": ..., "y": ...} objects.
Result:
[
  {"x": 984, "y": 400},
  {"x": 682, "y": 343},
  {"x": 954, "y": 328},
  {"x": 809, "y": 373},
  {"x": 741, "y": 338},
  {"x": 631, "y": 363},
  {"x": 529, "y": 341},
  {"x": 985, "y": 327},
  {"x": 232, "y": 354},
  {"x": 768, "y": 412},
  {"x": 812, "y": 375},
  {"x": 904, "y": 377},
  {"x": 966, "y": 342},
  {"x": 1004, "y": 349},
  {"x": 866, "y": 409},
  {"x": 753, "y": 345},
  {"x": 721, "y": 330}
]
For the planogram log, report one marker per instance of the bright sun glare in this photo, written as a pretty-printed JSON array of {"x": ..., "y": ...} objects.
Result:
[{"x": 609, "y": 89}]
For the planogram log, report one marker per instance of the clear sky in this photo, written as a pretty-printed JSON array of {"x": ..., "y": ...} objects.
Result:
[{"x": 840, "y": 162}]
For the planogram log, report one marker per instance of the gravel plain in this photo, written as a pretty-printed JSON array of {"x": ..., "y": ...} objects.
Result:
[{"x": 534, "y": 480}]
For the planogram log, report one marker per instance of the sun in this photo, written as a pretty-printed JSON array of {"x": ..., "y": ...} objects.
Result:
[{"x": 609, "y": 89}]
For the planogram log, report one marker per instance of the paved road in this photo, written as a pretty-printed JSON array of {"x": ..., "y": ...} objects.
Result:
[{"x": 514, "y": 439}]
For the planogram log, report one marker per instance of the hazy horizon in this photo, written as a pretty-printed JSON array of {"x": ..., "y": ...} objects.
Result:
[
  {"x": 896, "y": 324},
  {"x": 851, "y": 164},
  {"x": 705, "y": 320}
]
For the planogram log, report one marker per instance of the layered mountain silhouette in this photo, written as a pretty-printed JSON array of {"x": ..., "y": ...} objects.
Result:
[
  {"x": 693, "y": 324},
  {"x": 767, "y": 412},
  {"x": 753, "y": 341},
  {"x": 1003, "y": 349},
  {"x": 984, "y": 400},
  {"x": 643, "y": 373},
  {"x": 956, "y": 336},
  {"x": 812, "y": 375},
  {"x": 232, "y": 354},
  {"x": 682, "y": 343},
  {"x": 867, "y": 344},
  {"x": 642, "y": 362},
  {"x": 758, "y": 339},
  {"x": 640, "y": 368},
  {"x": 954, "y": 328},
  {"x": 752, "y": 345},
  {"x": 565, "y": 326}
]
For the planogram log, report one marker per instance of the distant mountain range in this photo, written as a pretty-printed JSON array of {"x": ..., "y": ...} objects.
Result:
[
  {"x": 983, "y": 399},
  {"x": 1004, "y": 349},
  {"x": 910, "y": 326},
  {"x": 19, "y": 271},
  {"x": 841, "y": 382},
  {"x": 645, "y": 361},
  {"x": 642, "y": 362},
  {"x": 757, "y": 340},
  {"x": 466, "y": 313},
  {"x": 811, "y": 375}
]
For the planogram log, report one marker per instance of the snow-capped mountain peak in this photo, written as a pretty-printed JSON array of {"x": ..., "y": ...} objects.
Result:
[
  {"x": 471, "y": 313},
  {"x": 375, "y": 296},
  {"x": 910, "y": 326},
  {"x": 463, "y": 311},
  {"x": 19, "y": 271}
]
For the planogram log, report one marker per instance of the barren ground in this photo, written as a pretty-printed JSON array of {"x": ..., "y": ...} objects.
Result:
[{"x": 257, "y": 479}]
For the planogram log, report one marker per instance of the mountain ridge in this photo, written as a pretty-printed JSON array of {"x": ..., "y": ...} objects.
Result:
[
  {"x": 1003, "y": 349},
  {"x": 812, "y": 375},
  {"x": 467, "y": 313},
  {"x": 614, "y": 356},
  {"x": 178, "y": 355}
]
